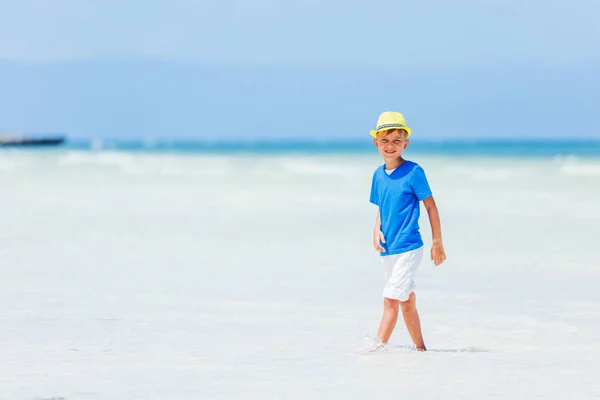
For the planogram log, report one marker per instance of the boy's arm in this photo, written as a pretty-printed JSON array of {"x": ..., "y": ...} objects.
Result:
[
  {"x": 434, "y": 219},
  {"x": 437, "y": 250},
  {"x": 377, "y": 234}
]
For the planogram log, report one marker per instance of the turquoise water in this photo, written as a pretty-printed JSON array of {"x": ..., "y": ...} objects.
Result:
[{"x": 462, "y": 147}]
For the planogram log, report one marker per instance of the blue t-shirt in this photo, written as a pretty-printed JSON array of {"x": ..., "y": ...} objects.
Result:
[{"x": 398, "y": 195}]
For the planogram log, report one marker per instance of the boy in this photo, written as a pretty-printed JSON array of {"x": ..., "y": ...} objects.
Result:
[{"x": 397, "y": 189}]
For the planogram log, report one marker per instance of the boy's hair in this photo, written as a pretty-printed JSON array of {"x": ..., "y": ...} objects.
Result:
[{"x": 402, "y": 131}]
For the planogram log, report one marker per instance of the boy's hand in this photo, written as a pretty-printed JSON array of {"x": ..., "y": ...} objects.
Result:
[
  {"x": 438, "y": 255},
  {"x": 378, "y": 239}
]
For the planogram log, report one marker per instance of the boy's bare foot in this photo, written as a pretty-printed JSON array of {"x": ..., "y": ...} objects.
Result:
[{"x": 372, "y": 345}]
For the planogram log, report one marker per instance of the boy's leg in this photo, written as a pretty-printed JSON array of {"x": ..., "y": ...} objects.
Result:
[
  {"x": 399, "y": 276},
  {"x": 411, "y": 319},
  {"x": 389, "y": 318}
]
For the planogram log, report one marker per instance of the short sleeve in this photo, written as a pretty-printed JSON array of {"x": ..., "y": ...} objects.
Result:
[
  {"x": 374, "y": 192},
  {"x": 419, "y": 184}
]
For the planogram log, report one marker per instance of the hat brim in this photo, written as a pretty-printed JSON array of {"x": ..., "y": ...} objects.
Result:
[{"x": 406, "y": 128}]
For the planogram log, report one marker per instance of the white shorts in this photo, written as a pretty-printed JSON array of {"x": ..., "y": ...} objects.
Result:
[{"x": 400, "y": 271}]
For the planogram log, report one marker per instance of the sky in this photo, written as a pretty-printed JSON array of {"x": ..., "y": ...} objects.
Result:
[{"x": 305, "y": 68}]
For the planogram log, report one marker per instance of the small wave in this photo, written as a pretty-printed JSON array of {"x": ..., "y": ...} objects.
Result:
[
  {"x": 136, "y": 164},
  {"x": 52, "y": 398},
  {"x": 399, "y": 348},
  {"x": 470, "y": 349},
  {"x": 124, "y": 162},
  {"x": 488, "y": 174},
  {"x": 305, "y": 167},
  {"x": 101, "y": 158},
  {"x": 576, "y": 169}
]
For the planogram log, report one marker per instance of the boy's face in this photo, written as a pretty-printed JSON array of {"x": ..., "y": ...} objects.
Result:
[{"x": 391, "y": 143}]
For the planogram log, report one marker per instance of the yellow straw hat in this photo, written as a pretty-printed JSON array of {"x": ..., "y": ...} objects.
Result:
[{"x": 391, "y": 120}]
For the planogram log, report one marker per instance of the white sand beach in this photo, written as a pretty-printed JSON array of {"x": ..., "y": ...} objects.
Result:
[{"x": 171, "y": 276}]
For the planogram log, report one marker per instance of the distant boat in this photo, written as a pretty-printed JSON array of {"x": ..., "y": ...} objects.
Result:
[{"x": 26, "y": 140}]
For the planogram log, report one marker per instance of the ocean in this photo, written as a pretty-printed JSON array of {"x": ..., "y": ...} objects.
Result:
[
  {"x": 245, "y": 270},
  {"x": 496, "y": 147}
]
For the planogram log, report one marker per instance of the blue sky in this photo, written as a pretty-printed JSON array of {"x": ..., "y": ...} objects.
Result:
[{"x": 193, "y": 68}]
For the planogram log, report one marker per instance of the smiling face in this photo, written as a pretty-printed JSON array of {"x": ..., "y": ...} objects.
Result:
[{"x": 391, "y": 144}]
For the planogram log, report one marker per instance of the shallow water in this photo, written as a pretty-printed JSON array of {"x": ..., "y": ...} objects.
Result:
[{"x": 139, "y": 275}]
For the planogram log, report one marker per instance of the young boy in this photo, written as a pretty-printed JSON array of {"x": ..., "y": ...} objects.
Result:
[{"x": 397, "y": 189}]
